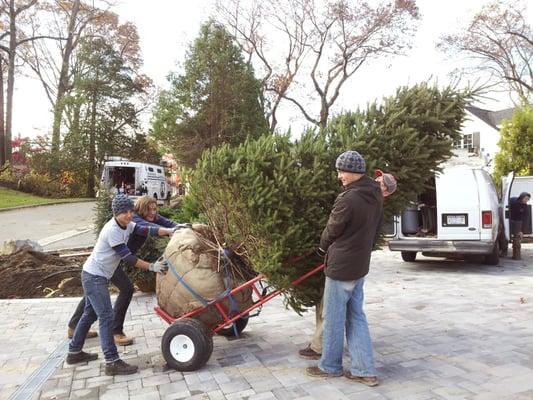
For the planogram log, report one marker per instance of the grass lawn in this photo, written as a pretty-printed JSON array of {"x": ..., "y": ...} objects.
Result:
[{"x": 11, "y": 198}]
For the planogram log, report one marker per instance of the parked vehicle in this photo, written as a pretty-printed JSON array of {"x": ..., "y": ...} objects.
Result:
[
  {"x": 135, "y": 178},
  {"x": 459, "y": 215}
]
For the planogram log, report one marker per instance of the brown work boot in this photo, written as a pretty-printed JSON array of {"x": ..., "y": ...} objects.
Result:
[
  {"x": 517, "y": 253},
  {"x": 90, "y": 334},
  {"x": 122, "y": 340},
  {"x": 309, "y": 353},
  {"x": 365, "y": 380},
  {"x": 76, "y": 358},
  {"x": 316, "y": 372},
  {"x": 120, "y": 367}
]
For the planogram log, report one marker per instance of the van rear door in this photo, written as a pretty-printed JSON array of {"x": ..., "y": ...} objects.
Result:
[
  {"x": 458, "y": 209},
  {"x": 507, "y": 184}
]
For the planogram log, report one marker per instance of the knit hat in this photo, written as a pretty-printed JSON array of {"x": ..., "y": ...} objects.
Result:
[
  {"x": 388, "y": 179},
  {"x": 121, "y": 204},
  {"x": 351, "y": 161}
]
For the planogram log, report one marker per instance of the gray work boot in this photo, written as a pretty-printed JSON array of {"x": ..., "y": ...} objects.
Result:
[{"x": 120, "y": 367}]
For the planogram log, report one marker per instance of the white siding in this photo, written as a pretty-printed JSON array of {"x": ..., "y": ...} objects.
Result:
[{"x": 488, "y": 136}]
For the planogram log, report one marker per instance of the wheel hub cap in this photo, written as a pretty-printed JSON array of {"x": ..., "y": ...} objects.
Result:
[{"x": 182, "y": 348}]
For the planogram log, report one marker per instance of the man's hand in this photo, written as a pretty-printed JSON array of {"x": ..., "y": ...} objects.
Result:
[{"x": 158, "y": 266}]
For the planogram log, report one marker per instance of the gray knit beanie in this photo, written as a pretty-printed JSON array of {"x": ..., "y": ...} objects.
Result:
[
  {"x": 121, "y": 203},
  {"x": 351, "y": 161}
]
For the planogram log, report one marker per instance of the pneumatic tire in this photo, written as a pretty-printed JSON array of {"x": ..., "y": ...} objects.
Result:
[
  {"x": 187, "y": 345},
  {"x": 409, "y": 256},
  {"x": 494, "y": 257}
]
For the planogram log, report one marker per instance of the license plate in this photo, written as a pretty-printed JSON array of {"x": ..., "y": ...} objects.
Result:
[{"x": 455, "y": 219}]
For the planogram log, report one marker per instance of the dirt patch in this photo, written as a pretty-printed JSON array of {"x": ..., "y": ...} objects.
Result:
[{"x": 31, "y": 274}]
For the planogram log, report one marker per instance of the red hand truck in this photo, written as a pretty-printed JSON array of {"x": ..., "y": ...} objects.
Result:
[{"x": 187, "y": 343}]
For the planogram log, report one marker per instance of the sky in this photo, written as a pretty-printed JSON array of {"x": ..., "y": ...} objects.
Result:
[{"x": 167, "y": 27}]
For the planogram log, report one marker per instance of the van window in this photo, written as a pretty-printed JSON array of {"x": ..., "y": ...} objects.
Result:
[
  {"x": 159, "y": 170},
  {"x": 150, "y": 169}
]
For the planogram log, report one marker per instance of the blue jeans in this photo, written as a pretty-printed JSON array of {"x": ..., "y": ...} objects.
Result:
[
  {"x": 343, "y": 310},
  {"x": 121, "y": 280},
  {"x": 97, "y": 306}
]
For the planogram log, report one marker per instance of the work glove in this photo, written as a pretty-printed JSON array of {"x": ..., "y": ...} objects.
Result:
[
  {"x": 320, "y": 252},
  {"x": 158, "y": 266},
  {"x": 169, "y": 231}
]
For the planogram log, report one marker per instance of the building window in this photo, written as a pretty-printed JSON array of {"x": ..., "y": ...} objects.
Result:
[{"x": 465, "y": 142}]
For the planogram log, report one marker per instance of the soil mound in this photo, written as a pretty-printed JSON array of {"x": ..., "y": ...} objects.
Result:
[{"x": 32, "y": 274}]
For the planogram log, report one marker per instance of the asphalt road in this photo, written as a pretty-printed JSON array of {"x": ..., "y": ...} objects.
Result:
[{"x": 59, "y": 226}]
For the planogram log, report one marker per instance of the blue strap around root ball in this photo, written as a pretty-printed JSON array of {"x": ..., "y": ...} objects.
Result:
[{"x": 228, "y": 283}]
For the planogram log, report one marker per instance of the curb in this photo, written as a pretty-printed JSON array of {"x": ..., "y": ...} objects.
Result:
[
  {"x": 66, "y": 250},
  {"x": 47, "y": 204}
]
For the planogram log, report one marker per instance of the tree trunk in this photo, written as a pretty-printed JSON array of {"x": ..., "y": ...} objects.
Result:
[
  {"x": 75, "y": 127},
  {"x": 10, "y": 78},
  {"x": 92, "y": 146},
  {"x": 62, "y": 87},
  {"x": 324, "y": 114},
  {"x": 2, "y": 122}
]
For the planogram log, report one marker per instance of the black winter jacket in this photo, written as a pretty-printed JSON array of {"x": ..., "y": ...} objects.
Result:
[{"x": 352, "y": 230}]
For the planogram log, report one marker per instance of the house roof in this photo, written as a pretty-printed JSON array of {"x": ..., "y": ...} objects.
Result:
[{"x": 492, "y": 118}]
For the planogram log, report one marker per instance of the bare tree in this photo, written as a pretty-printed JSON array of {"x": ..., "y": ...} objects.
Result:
[
  {"x": 66, "y": 21},
  {"x": 499, "y": 41},
  {"x": 307, "y": 50},
  {"x": 12, "y": 10},
  {"x": 2, "y": 124}
]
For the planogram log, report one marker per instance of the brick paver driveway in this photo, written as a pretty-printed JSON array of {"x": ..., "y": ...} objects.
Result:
[{"x": 441, "y": 330}]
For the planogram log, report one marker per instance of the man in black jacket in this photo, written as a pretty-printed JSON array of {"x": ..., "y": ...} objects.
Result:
[
  {"x": 519, "y": 218},
  {"x": 313, "y": 351},
  {"x": 351, "y": 232}
]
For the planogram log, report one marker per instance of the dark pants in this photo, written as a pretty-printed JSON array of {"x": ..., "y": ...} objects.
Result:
[{"x": 122, "y": 282}]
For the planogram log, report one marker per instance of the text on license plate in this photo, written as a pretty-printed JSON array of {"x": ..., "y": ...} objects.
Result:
[{"x": 455, "y": 220}]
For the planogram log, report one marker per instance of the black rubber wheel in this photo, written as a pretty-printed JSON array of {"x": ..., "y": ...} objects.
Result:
[
  {"x": 240, "y": 324},
  {"x": 187, "y": 345},
  {"x": 409, "y": 256},
  {"x": 494, "y": 257}
]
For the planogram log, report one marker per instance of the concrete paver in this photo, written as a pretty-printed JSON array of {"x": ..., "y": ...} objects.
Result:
[{"x": 440, "y": 329}]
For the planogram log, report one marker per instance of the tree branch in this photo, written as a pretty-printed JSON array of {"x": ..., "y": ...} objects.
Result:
[{"x": 306, "y": 115}]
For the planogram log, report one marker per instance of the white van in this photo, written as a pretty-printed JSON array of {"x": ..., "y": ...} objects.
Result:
[
  {"x": 135, "y": 179},
  {"x": 459, "y": 215}
]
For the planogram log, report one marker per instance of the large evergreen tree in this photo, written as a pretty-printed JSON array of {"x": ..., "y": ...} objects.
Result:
[
  {"x": 269, "y": 198},
  {"x": 215, "y": 101}
]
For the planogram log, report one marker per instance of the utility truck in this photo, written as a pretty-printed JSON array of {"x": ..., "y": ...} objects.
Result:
[{"x": 135, "y": 179}]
